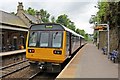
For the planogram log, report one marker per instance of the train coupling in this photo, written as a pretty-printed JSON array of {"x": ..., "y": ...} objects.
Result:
[{"x": 42, "y": 67}]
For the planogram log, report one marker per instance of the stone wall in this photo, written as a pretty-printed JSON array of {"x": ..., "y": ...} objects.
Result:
[
  {"x": 113, "y": 38},
  {"x": 102, "y": 39},
  {"x": 119, "y": 40}
]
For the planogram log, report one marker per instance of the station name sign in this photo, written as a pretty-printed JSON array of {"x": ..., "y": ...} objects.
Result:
[{"x": 100, "y": 28}]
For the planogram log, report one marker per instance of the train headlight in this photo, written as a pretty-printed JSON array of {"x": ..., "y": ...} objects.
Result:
[
  {"x": 31, "y": 50},
  {"x": 57, "y": 52}
]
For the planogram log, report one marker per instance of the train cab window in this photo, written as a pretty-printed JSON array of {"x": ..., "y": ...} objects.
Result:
[
  {"x": 57, "y": 39},
  {"x": 33, "y": 39},
  {"x": 44, "y": 39}
]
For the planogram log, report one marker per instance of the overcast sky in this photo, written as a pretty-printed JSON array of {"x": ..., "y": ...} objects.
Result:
[{"x": 79, "y": 11}]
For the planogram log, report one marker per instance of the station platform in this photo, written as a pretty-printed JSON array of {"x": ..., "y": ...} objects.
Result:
[
  {"x": 12, "y": 52},
  {"x": 89, "y": 62}
]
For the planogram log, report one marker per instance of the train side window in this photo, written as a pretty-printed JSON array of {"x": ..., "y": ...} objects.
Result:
[
  {"x": 57, "y": 39},
  {"x": 33, "y": 39},
  {"x": 44, "y": 39}
]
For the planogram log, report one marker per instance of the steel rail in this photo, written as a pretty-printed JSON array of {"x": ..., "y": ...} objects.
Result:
[
  {"x": 13, "y": 64},
  {"x": 14, "y": 71}
]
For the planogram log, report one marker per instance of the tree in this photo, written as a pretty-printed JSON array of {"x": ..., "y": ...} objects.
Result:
[
  {"x": 83, "y": 33},
  {"x": 53, "y": 19},
  {"x": 86, "y": 36},
  {"x": 71, "y": 26},
  {"x": 44, "y": 15},
  {"x": 77, "y": 31},
  {"x": 100, "y": 16},
  {"x": 64, "y": 20},
  {"x": 31, "y": 11}
]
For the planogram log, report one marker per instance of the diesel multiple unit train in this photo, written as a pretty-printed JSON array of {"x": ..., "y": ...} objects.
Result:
[{"x": 49, "y": 45}]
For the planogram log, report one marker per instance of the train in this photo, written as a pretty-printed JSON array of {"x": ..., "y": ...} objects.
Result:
[{"x": 48, "y": 45}]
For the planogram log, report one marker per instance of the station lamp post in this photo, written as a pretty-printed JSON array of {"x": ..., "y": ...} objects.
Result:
[{"x": 104, "y": 27}]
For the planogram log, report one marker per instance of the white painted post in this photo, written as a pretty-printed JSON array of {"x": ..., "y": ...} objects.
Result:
[{"x": 108, "y": 38}]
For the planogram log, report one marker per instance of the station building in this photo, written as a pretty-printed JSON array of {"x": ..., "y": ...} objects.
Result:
[{"x": 14, "y": 28}]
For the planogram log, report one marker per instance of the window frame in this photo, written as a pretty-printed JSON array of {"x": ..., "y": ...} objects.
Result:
[
  {"x": 36, "y": 40},
  {"x": 49, "y": 39},
  {"x": 61, "y": 39},
  {"x": 40, "y": 38}
]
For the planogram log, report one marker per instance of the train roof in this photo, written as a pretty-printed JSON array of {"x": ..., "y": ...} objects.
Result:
[
  {"x": 59, "y": 27},
  {"x": 71, "y": 31}
]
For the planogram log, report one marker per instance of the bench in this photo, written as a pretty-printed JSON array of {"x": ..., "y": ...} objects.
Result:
[{"x": 113, "y": 56}]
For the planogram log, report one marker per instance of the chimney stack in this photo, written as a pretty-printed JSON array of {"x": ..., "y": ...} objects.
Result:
[{"x": 20, "y": 8}]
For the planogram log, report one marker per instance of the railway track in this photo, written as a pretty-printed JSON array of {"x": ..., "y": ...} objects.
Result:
[
  {"x": 43, "y": 76},
  {"x": 10, "y": 69},
  {"x": 22, "y": 70},
  {"x": 33, "y": 76}
]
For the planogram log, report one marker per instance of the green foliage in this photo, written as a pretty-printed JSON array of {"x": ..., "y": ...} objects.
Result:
[
  {"x": 44, "y": 15},
  {"x": 86, "y": 37},
  {"x": 71, "y": 26},
  {"x": 100, "y": 16},
  {"x": 30, "y": 11},
  {"x": 53, "y": 19},
  {"x": 108, "y": 12},
  {"x": 93, "y": 19},
  {"x": 64, "y": 20},
  {"x": 95, "y": 35},
  {"x": 103, "y": 8},
  {"x": 83, "y": 33},
  {"x": 77, "y": 31}
]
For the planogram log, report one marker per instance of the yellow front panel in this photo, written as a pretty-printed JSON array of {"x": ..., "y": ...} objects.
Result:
[{"x": 46, "y": 54}]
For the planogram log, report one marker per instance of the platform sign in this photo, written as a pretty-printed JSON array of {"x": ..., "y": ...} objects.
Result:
[
  {"x": 100, "y": 28},
  {"x": 104, "y": 27}
]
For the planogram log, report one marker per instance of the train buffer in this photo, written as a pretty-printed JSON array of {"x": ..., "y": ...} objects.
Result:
[{"x": 89, "y": 63}]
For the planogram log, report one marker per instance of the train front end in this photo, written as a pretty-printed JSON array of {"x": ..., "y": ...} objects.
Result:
[{"x": 45, "y": 47}]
